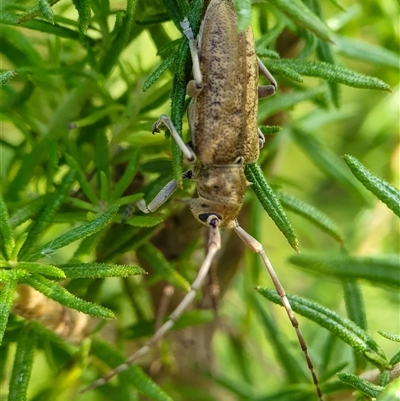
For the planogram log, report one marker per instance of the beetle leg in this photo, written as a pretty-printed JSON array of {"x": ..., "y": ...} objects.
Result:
[
  {"x": 214, "y": 244},
  {"x": 261, "y": 138},
  {"x": 188, "y": 152},
  {"x": 256, "y": 246},
  {"x": 195, "y": 86},
  {"x": 267, "y": 90},
  {"x": 164, "y": 194}
]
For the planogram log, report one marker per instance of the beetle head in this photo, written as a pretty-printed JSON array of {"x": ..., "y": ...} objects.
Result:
[{"x": 203, "y": 208}]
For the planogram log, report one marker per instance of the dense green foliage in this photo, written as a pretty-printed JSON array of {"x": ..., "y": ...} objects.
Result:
[{"x": 82, "y": 82}]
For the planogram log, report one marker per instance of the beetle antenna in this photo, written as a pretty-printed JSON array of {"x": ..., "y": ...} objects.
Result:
[
  {"x": 256, "y": 246},
  {"x": 214, "y": 244}
]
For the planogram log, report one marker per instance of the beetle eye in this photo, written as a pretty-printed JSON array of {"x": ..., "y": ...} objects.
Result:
[{"x": 205, "y": 216}]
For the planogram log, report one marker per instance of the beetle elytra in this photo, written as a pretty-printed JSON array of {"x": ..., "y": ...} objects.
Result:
[{"x": 223, "y": 123}]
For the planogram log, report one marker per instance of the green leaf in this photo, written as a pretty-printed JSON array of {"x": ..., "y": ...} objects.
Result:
[
  {"x": 83, "y": 8},
  {"x": 34, "y": 11},
  {"x": 325, "y": 54},
  {"x": 267, "y": 53},
  {"x": 46, "y": 11},
  {"x": 47, "y": 270},
  {"x": 133, "y": 375},
  {"x": 99, "y": 270},
  {"x": 354, "y": 303},
  {"x": 6, "y": 235},
  {"x": 277, "y": 68},
  {"x": 270, "y": 203},
  {"x": 104, "y": 187},
  {"x": 301, "y": 15},
  {"x": 75, "y": 234},
  {"x": 312, "y": 214},
  {"x": 81, "y": 204},
  {"x": 23, "y": 363},
  {"x": 395, "y": 359},
  {"x": 376, "y": 269},
  {"x": 356, "y": 312},
  {"x": 362, "y": 385},
  {"x": 30, "y": 210},
  {"x": 154, "y": 19},
  {"x": 25, "y": 171},
  {"x": 327, "y": 161},
  {"x": 47, "y": 213},
  {"x": 98, "y": 115},
  {"x": 128, "y": 200},
  {"x": 6, "y": 76},
  {"x": 160, "y": 70},
  {"x": 61, "y": 295},
  {"x": 367, "y": 52},
  {"x": 42, "y": 26},
  {"x": 181, "y": 78},
  {"x": 270, "y": 35},
  {"x": 243, "y": 12},
  {"x": 333, "y": 73},
  {"x": 277, "y": 103},
  {"x": 12, "y": 275},
  {"x": 388, "y": 194},
  {"x": 344, "y": 328},
  {"x": 7, "y": 289},
  {"x": 390, "y": 336},
  {"x": 161, "y": 265},
  {"x": 144, "y": 221},
  {"x": 177, "y": 106},
  {"x": 121, "y": 39},
  {"x": 270, "y": 129},
  {"x": 127, "y": 178}
]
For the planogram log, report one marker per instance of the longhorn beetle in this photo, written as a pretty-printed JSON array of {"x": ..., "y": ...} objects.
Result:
[{"x": 223, "y": 123}]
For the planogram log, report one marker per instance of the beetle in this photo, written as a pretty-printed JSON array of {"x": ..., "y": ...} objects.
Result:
[{"x": 223, "y": 123}]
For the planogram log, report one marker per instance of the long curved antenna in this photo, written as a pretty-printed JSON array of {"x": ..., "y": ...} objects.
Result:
[
  {"x": 255, "y": 246},
  {"x": 214, "y": 244}
]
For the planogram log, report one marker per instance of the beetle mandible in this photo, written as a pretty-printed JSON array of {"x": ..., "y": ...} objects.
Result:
[{"x": 225, "y": 137}]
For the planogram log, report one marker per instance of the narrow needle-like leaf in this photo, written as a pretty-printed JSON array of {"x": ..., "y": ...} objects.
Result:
[
  {"x": 303, "y": 16},
  {"x": 270, "y": 203},
  {"x": 364, "y": 386},
  {"x": 376, "y": 269},
  {"x": 5, "y": 229},
  {"x": 99, "y": 270},
  {"x": 23, "y": 363},
  {"x": 312, "y": 214},
  {"x": 157, "y": 260},
  {"x": 75, "y": 234},
  {"x": 159, "y": 71},
  {"x": 333, "y": 73},
  {"x": 7, "y": 288},
  {"x": 388, "y": 194},
  {"x": 62, "y": 296},
  {"x": 344, "y": 328},
  {"x": 47, "y": 214}
]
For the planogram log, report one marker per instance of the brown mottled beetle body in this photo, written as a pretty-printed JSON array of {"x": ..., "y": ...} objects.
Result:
[{"x": 223, "y": 117}]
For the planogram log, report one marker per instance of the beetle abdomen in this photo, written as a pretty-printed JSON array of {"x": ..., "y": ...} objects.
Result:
[{"x": 225, "y": 126}]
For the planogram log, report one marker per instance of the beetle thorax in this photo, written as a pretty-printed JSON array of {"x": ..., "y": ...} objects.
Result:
[{"x": 221, "y": 190}]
